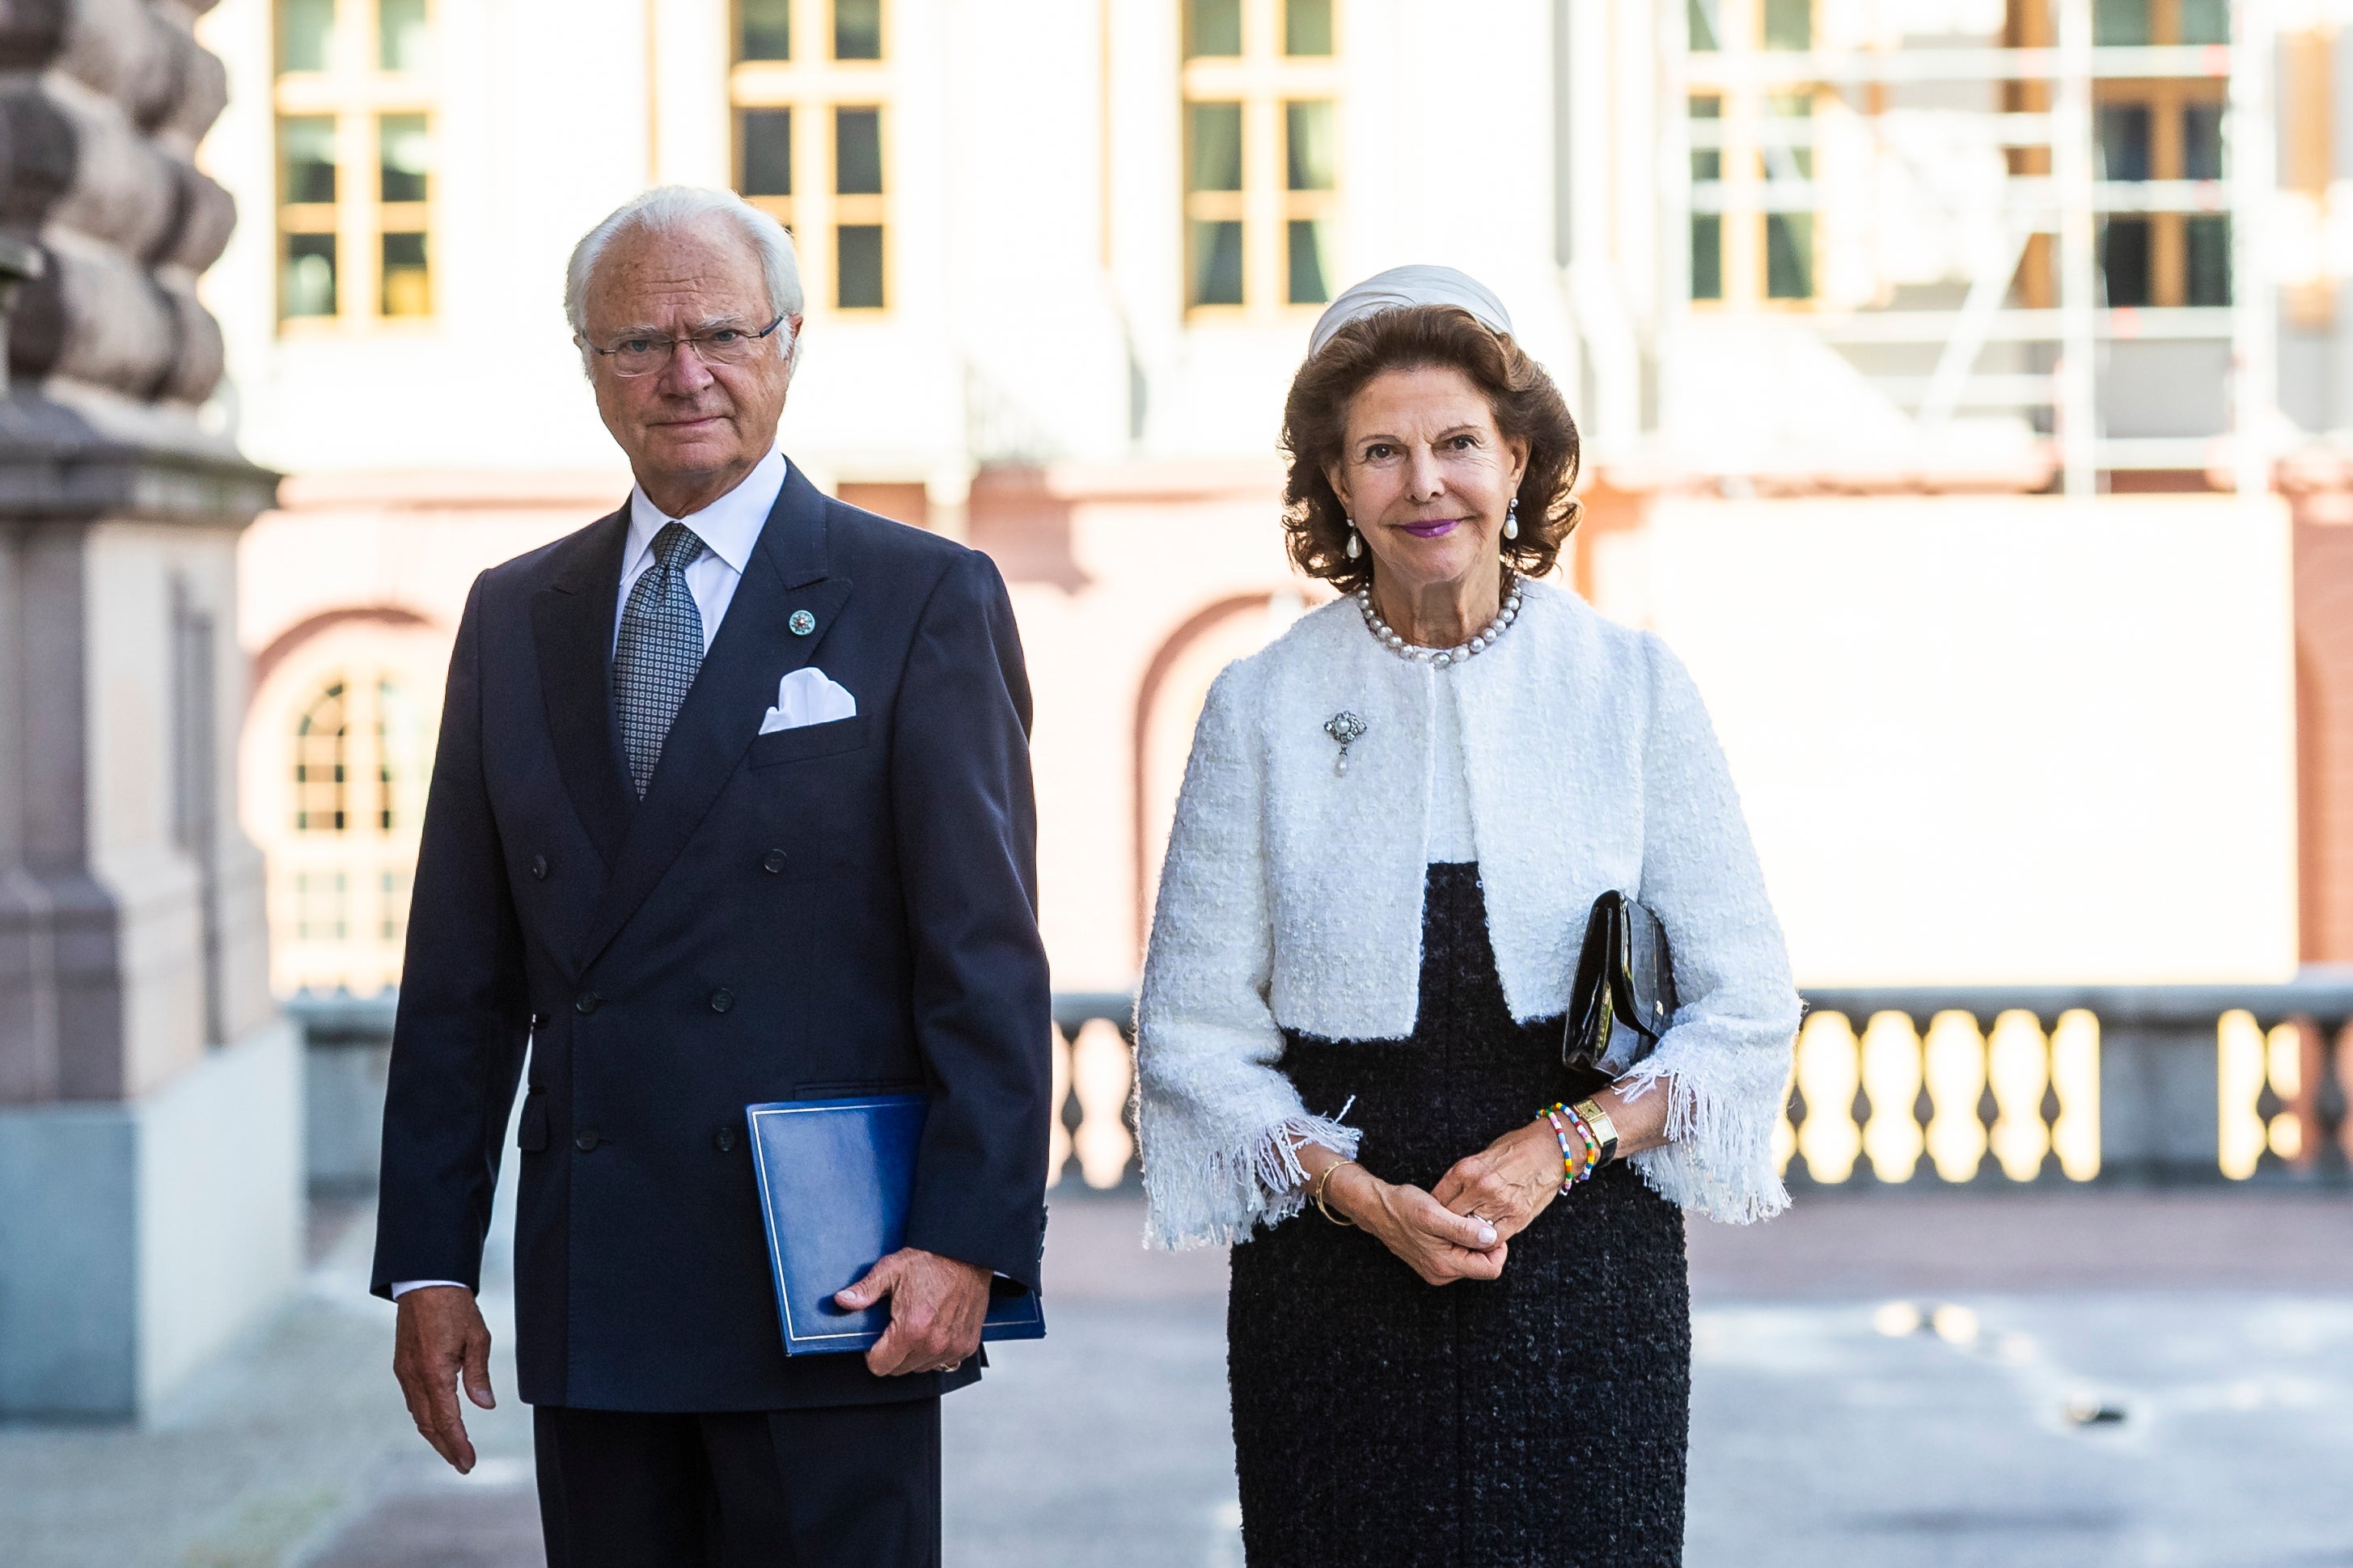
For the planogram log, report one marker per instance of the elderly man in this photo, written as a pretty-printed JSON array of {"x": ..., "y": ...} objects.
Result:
[{"x": 682, "y": 909}]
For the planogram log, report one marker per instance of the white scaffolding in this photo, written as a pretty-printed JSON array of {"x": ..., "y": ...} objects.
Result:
[{"x": 2067, "y": 205}]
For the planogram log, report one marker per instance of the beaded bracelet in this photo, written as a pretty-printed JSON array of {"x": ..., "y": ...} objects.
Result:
[
  {"x": 1567, "y": 1158},
  {"x": 1555, "y": 1113},
  {"x": 1571, "y": 1172},
  {"x": 1596, "y": 1152}
]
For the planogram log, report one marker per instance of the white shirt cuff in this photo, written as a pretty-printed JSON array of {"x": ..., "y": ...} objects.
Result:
[{"x": 402, "y": 1287}]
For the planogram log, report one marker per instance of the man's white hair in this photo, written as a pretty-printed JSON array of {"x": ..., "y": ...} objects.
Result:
[{"x": 668, "y": 209}]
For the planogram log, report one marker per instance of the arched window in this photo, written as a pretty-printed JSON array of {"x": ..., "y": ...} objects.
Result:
[
  {"x": 356, "y": 748},
  {"x": 1167, "y": 707},
  {"x": 398, "y": 735},
  {"x": 321, "y": 736}
]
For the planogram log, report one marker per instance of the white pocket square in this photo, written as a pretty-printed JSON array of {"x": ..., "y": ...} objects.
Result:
[{"x": 807, "y": 697}]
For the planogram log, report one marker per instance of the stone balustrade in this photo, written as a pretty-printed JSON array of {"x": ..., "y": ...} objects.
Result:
[
  {"x": 1988, "y": 1085},
  {"x": 2191, "y": 1083},
  {"x": 2021, "y": 1084}
]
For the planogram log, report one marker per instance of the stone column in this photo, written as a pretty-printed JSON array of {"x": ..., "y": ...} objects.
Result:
[{"x": 150, "y": 1096}]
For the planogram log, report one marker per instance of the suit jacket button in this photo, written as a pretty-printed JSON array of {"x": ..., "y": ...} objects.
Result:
[
  {"x": 585, "y": 1003},
  {"x": 586, "y": 1142},
  {"x": 723, "y": 1140},
  {"x": 722, "y": 999},
  {"x": 773, "y": 862},
  {"x": 539, "y": 867}
]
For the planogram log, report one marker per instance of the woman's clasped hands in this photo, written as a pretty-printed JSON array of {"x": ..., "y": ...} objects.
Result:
[
  {"x": 1434, "y": 1241},
  {"x": 1462, "y": 1228}
]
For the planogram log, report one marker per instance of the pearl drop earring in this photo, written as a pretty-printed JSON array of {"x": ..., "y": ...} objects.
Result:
[
  {"x": 1356, "y": 544},
  {"x": 1512, "y": 519}
]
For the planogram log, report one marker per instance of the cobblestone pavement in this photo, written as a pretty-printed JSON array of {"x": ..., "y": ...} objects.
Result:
[{"x": 1894, "y": 1380}]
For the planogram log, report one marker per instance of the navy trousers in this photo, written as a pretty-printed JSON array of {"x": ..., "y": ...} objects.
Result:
[{"x": 834, "y": 1487}]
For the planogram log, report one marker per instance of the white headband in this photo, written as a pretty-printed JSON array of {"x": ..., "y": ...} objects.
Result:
[{"x": 1401, "y": 287}]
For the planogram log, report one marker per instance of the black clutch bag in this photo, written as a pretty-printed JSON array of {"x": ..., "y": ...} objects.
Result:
[{"x": 1624, "y": 997}]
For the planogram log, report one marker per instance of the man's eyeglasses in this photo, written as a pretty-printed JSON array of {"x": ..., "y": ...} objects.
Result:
[{"x": 645, "y": 353}]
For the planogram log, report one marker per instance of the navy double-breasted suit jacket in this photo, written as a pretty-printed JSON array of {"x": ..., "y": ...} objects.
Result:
[{"x": 834, "y": 908}]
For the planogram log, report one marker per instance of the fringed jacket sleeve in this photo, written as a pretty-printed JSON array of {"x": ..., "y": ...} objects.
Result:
[
  {"x": 1724, "y": 1062},
  {"x": 1217, "y": 1120}
]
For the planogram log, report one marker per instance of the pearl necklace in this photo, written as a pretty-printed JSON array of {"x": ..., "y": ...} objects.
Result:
[{"x": 1440, "y": 658}]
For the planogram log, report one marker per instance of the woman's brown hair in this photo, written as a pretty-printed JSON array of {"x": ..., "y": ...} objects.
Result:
[{"x": 1527, "y": 407}]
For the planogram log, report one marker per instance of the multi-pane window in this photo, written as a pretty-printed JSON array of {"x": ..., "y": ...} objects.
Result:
[
  {"x": 322, "y": 906},
  {"x": 811, "y": 90},
  {"x": 1261, "y": 156},
  {"x": 360, "y": 752},
  {"x": 2166, "y": 129},
  {"x": 858, "y": 208},
  {"x": 1706, "y": 227},
  {"x": 321, "y": 775},
  {"x": 355, "y": 101},
  {"x": 1752, "y": 163},
  {"x": 1700, "y": 18},
  {"x": 392, "y": 893},
  {"x": 1766, "y": 23},
  {"x": 1788, "y": 165}
]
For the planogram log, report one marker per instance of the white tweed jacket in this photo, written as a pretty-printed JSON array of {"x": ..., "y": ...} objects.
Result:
[{"x": 1291, "y": 899}]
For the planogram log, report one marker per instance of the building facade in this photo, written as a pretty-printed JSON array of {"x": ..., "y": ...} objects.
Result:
[{"x": 1790, "y": 257}]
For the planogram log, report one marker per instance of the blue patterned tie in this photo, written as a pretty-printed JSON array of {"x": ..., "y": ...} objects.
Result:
[{"x": 658, "y": 650}]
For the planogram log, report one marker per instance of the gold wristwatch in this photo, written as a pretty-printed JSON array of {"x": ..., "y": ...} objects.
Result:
[{"x": 1603, "y": 1127}]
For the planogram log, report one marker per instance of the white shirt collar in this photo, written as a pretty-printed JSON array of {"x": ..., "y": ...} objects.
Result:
[{"x": 729, "y": 526}]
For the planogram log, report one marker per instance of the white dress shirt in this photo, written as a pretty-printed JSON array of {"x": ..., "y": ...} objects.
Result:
[{"x": 729, "y": 528}]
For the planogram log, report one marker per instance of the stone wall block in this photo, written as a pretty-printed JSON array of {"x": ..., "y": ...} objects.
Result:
[
  {"x": 95, "y": 317},
  {"x": 202, "y": 358},
  {"x": 31, "y": 32},
  {"x": 204, "y": 93},
  {"x": 201, "y": 220},
  {"x": 165, "y": 73},
  {"x": 40, "y": 149},
  {"x": 108, "y": 45},
  {"x": 28, "y": 1027},
  {"x": 123, "y": 188},
  {"x": 36, "y": 332}
]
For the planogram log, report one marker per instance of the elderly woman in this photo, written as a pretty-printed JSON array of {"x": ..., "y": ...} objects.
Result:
[{"x": 1477, "y": 1350}]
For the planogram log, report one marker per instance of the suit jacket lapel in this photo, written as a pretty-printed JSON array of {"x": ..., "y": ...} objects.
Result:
[
  {"x": 572, "y": 621},
  {"x": 755, "y": 649}
]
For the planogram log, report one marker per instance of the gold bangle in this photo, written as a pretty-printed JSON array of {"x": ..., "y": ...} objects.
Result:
[
  {"x": 1603, "y": 1127},
  {"x": 1316, "y": 1193}
]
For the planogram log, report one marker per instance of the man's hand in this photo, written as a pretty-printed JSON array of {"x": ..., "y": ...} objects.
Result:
[
  {"x": 441, "y": 1335},
  {"x": 936, "y": 1308}
]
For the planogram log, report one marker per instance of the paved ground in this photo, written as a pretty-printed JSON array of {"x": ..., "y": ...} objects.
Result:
[{"x": 1908, "y": 1380}]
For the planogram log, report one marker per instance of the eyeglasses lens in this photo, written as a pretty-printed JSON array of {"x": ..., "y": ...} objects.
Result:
[{"x": 644, "y": 356}]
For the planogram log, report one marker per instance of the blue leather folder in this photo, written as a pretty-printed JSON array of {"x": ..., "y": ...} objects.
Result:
[{"x": 835, "y": 1179}]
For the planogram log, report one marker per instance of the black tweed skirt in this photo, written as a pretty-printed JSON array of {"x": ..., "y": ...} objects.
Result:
[{"x": 1538, "y": 1418}]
